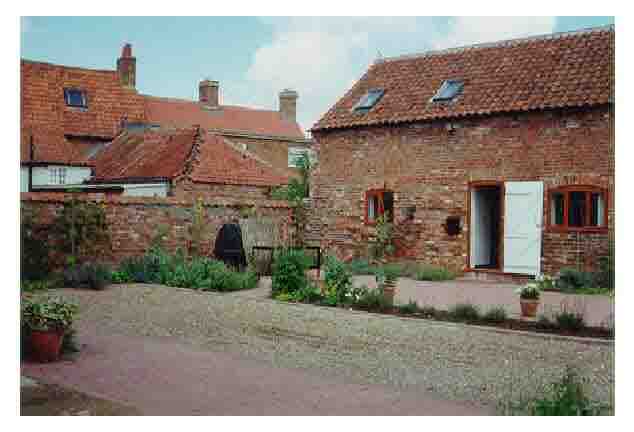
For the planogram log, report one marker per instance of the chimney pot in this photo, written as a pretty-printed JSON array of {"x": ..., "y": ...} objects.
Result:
[
  {"x": 126, "y": 67},
  {"x": 288, "y": 104},
  {"x": 208, "y": 93}
]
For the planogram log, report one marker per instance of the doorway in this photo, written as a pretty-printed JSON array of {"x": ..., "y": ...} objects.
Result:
[{"x": 486, "y": 223}]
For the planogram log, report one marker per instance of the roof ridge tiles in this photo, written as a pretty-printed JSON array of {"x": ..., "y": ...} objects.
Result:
[{"x": 498, "y": 44}]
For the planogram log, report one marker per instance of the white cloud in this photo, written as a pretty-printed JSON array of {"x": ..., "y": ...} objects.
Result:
[
  {"x": 321, "y": 58},
  {"x": 471, "y": 30}
]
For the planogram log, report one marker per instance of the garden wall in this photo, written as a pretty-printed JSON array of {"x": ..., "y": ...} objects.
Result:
[{"x": 134, "y": 222}]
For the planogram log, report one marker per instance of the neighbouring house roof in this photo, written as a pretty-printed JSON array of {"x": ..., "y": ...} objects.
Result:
[
  {"x": 39, "y": 145},
  {"x": 108, "y": 102},
  {"x": 219, "y": 162},
  {"x": 559, "y": 70},
  {"x": 163, "y": 154},
  {"x": 185, "y": 113}
]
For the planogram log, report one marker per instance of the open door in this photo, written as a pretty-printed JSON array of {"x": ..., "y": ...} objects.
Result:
[{"x": 523, "y": 215}]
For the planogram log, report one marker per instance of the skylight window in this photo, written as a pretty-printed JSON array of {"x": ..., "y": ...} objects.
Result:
[
  {"x": 369, "y": 100},
  {"x": 75, "y": 98},
  {"x": 448, "y": 90}
]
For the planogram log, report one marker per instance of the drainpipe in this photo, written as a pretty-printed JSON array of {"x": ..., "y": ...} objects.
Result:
[{"x": 31, "y": 153}]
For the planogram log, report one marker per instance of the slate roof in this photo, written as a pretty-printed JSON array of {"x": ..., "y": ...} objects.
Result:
[
  {"x": 152, "y": 154},
  {"x": 572, "y": 69},
  {"x": 186, "y": 113}
]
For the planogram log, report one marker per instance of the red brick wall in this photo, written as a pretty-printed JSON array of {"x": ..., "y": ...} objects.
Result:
[
  {"x": 430, "y": 166},
  {"x": 42, "y": 99},
  {"x": 133, "y": 222},
  {"x": 274, "y": 152},
  {"x": 186, "y": 189}
]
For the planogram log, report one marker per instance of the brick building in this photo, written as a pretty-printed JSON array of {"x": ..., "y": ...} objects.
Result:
[
  {"x": 492, "y": 158},
  {"x": 73, "y": 120}
]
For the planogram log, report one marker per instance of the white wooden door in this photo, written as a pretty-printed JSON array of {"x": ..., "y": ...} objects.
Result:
[{"x": 523, "y": 215}]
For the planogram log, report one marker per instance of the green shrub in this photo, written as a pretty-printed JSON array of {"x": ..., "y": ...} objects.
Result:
[
  {"x": 95, "y": 276},
  {"x": 361, "y": 267},
  {"x": 433, "y": 273},
  {"x": 309, "y": 294},
  {"x": 34, "y": 260},
  {"x": 35, "y": 285},
  {"x": 464, "y": 312},
  {"x": 496, "y": 315},
  {"x": 573, "y": 321},
  {"x": 289, "y": 271},
  {"x": 565, "y": 398},
  {"x": 410, "y": 308},
  {"x": 572, "y": 280},
  {"x": 338, "y": 280},
  {"x": 604, "y": 278},
  {"x": 372, "y": 300}
]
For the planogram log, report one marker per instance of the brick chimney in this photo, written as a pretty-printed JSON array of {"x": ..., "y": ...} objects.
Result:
[
  {"x": 208, "y": 93},
  {"x": 126, "y": 67},
  {"x": 288, "y": 104}
]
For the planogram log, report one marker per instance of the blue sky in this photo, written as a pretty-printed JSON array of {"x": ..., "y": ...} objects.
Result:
[{"x": 256, "y": 57}]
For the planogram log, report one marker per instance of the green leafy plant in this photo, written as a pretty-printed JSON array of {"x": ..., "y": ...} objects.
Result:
[
  {"x": 464, "y": 312},
  {"x": 383, "y": 244},
  {"x": 495, "y": 315},
  {"x": 34, "y": 256},
  {"x": 28, "y": 286},
  {"x": 433, "y": 273},
  {"x": 289, "y": 271},
  {"x": 566, "y": 398},
  {"x": 371, "y": 300},
  {"x": 568, "y": 320},
  {"x": 573, "y": 280},
  {"x": 361, "y": 267},
  {"x": 95, "y": 276},
  {"x": 80, "y": 231},
  {"x": 530, "y": 291},
  {"x": 408, "y": 309},
  {"x": 44, "y": 313},
  {"x": 338, "y": 279}
]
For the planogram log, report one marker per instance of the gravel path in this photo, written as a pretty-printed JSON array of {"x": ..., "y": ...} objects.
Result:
[{"x": 453, "y": 361}]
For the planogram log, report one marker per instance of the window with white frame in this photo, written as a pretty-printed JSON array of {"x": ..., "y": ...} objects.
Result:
[{"x": 57, "y": 175}]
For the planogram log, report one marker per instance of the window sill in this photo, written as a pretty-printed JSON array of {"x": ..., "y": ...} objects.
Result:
[{"x": 564, "y": 230}]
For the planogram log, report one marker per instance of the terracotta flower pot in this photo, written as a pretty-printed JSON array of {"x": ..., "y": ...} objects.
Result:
[
  {"x": 389, "y": 291},
  {"x": 46, "y": 345},
  {"x": 529, "y": 308}
]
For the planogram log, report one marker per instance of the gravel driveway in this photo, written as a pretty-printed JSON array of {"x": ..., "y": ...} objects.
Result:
[{"x": 453, "y": 361}]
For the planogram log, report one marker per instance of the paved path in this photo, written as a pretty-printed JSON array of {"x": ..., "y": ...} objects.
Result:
[
  {"x": 159, "y": 376},
  {"x": 598, "y": 310}
]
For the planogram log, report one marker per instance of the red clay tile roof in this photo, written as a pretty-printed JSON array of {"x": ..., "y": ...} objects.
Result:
[
  {"x": 166, "y": 153},
  {"x": 218, "y": 162},
  {"x": 184, "y": 113},
  {"x": 551, "y": 71},
  {"x": 43, "y": 104},
  {"x": 144, "y": 155},
  {"x": 49, "y": 146}
]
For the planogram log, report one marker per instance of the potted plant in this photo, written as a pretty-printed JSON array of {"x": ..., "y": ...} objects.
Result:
[
  {"x": 387, "y": 278},
  {"x": 529, "y": 298},
  {"x": 46, "y": 320}
]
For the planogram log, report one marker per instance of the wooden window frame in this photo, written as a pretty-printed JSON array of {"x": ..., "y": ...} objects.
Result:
[
  {"x": 378, "y": 193},
  {"x": 566, "y": 191}
]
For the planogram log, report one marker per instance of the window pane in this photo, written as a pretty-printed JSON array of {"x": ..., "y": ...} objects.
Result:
[
  {"x": 448, "y": 90},
  {"x": 598, "y": 210},
  {"x": 75, "y": 97},
  {"x": 557, "y": 209},
  {"x": 388, "y": 205},
  {"x": 577, "y": 210},
  {"x": 372, "y": 207},
  {"x": 369, "y": 99}
]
